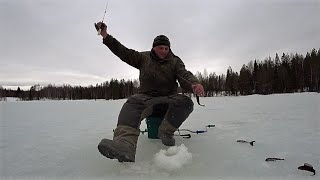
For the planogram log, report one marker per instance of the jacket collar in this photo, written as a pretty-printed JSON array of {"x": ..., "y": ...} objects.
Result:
[{"x": 156, "y": 58}]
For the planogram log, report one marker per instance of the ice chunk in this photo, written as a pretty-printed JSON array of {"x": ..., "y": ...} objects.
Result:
[{"x": 173, "y": 158}]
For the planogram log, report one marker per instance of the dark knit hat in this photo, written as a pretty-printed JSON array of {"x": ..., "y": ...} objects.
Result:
[{"x": 161, "y": 40}]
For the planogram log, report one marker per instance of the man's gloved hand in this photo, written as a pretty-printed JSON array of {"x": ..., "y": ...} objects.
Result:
[
  {"x": 198, "y": 89},
  {"x": 102, "y": 27}
]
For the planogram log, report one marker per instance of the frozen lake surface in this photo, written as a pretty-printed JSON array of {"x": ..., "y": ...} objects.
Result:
[{"x": 58, "y": 140}]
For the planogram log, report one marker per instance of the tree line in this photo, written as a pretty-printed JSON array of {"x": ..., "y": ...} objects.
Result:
[
  {"x": 113, "y": 89},
  {"x": 285, "y": 74}
]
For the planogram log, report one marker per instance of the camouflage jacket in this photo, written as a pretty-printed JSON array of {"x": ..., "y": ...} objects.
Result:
[{"x": 157, "y": 77}]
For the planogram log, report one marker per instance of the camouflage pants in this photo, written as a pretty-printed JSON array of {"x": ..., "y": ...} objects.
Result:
[{"x": 139, "y": 106}]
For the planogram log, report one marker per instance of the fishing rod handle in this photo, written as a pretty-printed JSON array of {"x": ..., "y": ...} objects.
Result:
[{"x": 200, "y": 131}]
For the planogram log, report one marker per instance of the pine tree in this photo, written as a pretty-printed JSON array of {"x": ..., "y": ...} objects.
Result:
[{"x": 245, "y": 87}]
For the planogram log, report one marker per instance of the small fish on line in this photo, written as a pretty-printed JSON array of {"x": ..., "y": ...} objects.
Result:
[
  {"x": 243, "y": 141},
  {"x": 308, "y": 167},
  {"x": 274, "y": 159}
]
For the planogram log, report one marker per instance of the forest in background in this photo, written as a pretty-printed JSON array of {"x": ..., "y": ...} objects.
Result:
[{"x": 287, "y": 73}]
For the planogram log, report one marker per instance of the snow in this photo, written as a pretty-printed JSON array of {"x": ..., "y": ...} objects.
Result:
[
  {"x": 58, "y": 140},
  {"x": 172, "y": 159}
]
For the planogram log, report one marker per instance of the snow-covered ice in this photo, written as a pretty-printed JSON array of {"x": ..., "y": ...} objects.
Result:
[{"x": 58, "y": 140}]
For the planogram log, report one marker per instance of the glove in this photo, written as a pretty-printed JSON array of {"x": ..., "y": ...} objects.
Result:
[
  {"x": 101, "y": 28},
  {"x": 198, "y": 89}
]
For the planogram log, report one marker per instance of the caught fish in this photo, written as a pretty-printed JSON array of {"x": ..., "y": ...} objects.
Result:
[
  {"x": 243, "y": 141},
  {"x": 307, "y": 167},
  {"x": 274, "y": 159}
]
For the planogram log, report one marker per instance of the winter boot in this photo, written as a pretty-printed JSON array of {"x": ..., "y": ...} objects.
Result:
[
  {"x": 123, "y": 146},
  {"x": 165, "y": 133}
]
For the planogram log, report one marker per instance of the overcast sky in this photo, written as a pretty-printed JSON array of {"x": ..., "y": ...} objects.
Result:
[{"x": 54, "y": 41}]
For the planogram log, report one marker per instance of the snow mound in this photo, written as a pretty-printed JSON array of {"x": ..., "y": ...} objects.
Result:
[{"x": 173, "y": 158}]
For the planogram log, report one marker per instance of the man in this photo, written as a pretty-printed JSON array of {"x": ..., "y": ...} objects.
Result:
[{"x": 159, "y": 71}]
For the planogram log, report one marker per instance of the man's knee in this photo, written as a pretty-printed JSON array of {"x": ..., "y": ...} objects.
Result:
[
  {"x": 138, "y": 99},
  {"x": 130, "y": 113},
  {"x": 189, "y": 103},
  {"x": 179, "y": 110},
  {"x": 184, "y": 102}
]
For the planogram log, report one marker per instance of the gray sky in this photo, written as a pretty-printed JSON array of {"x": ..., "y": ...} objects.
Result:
[{"x": 54, "y": 41}]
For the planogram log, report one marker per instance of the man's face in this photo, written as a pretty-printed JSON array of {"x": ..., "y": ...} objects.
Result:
[{"x": 161, "y": 51}]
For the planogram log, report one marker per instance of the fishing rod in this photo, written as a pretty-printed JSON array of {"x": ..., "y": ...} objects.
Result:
[
  {"x": 188, "y": 130},
  {"x": 197, "y": 97},
  {"x": 194, "y": 132},
  {"x": 99, "y": 29},
  {"x": 198, "y": 131}
]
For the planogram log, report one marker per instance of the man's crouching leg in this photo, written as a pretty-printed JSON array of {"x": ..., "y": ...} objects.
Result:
[
  {"x": 180, "y": 108},
  {"x": 165, "y": 133},
  {"x": 123, "y": 146},
  {"x": 125, "y": 137}
]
